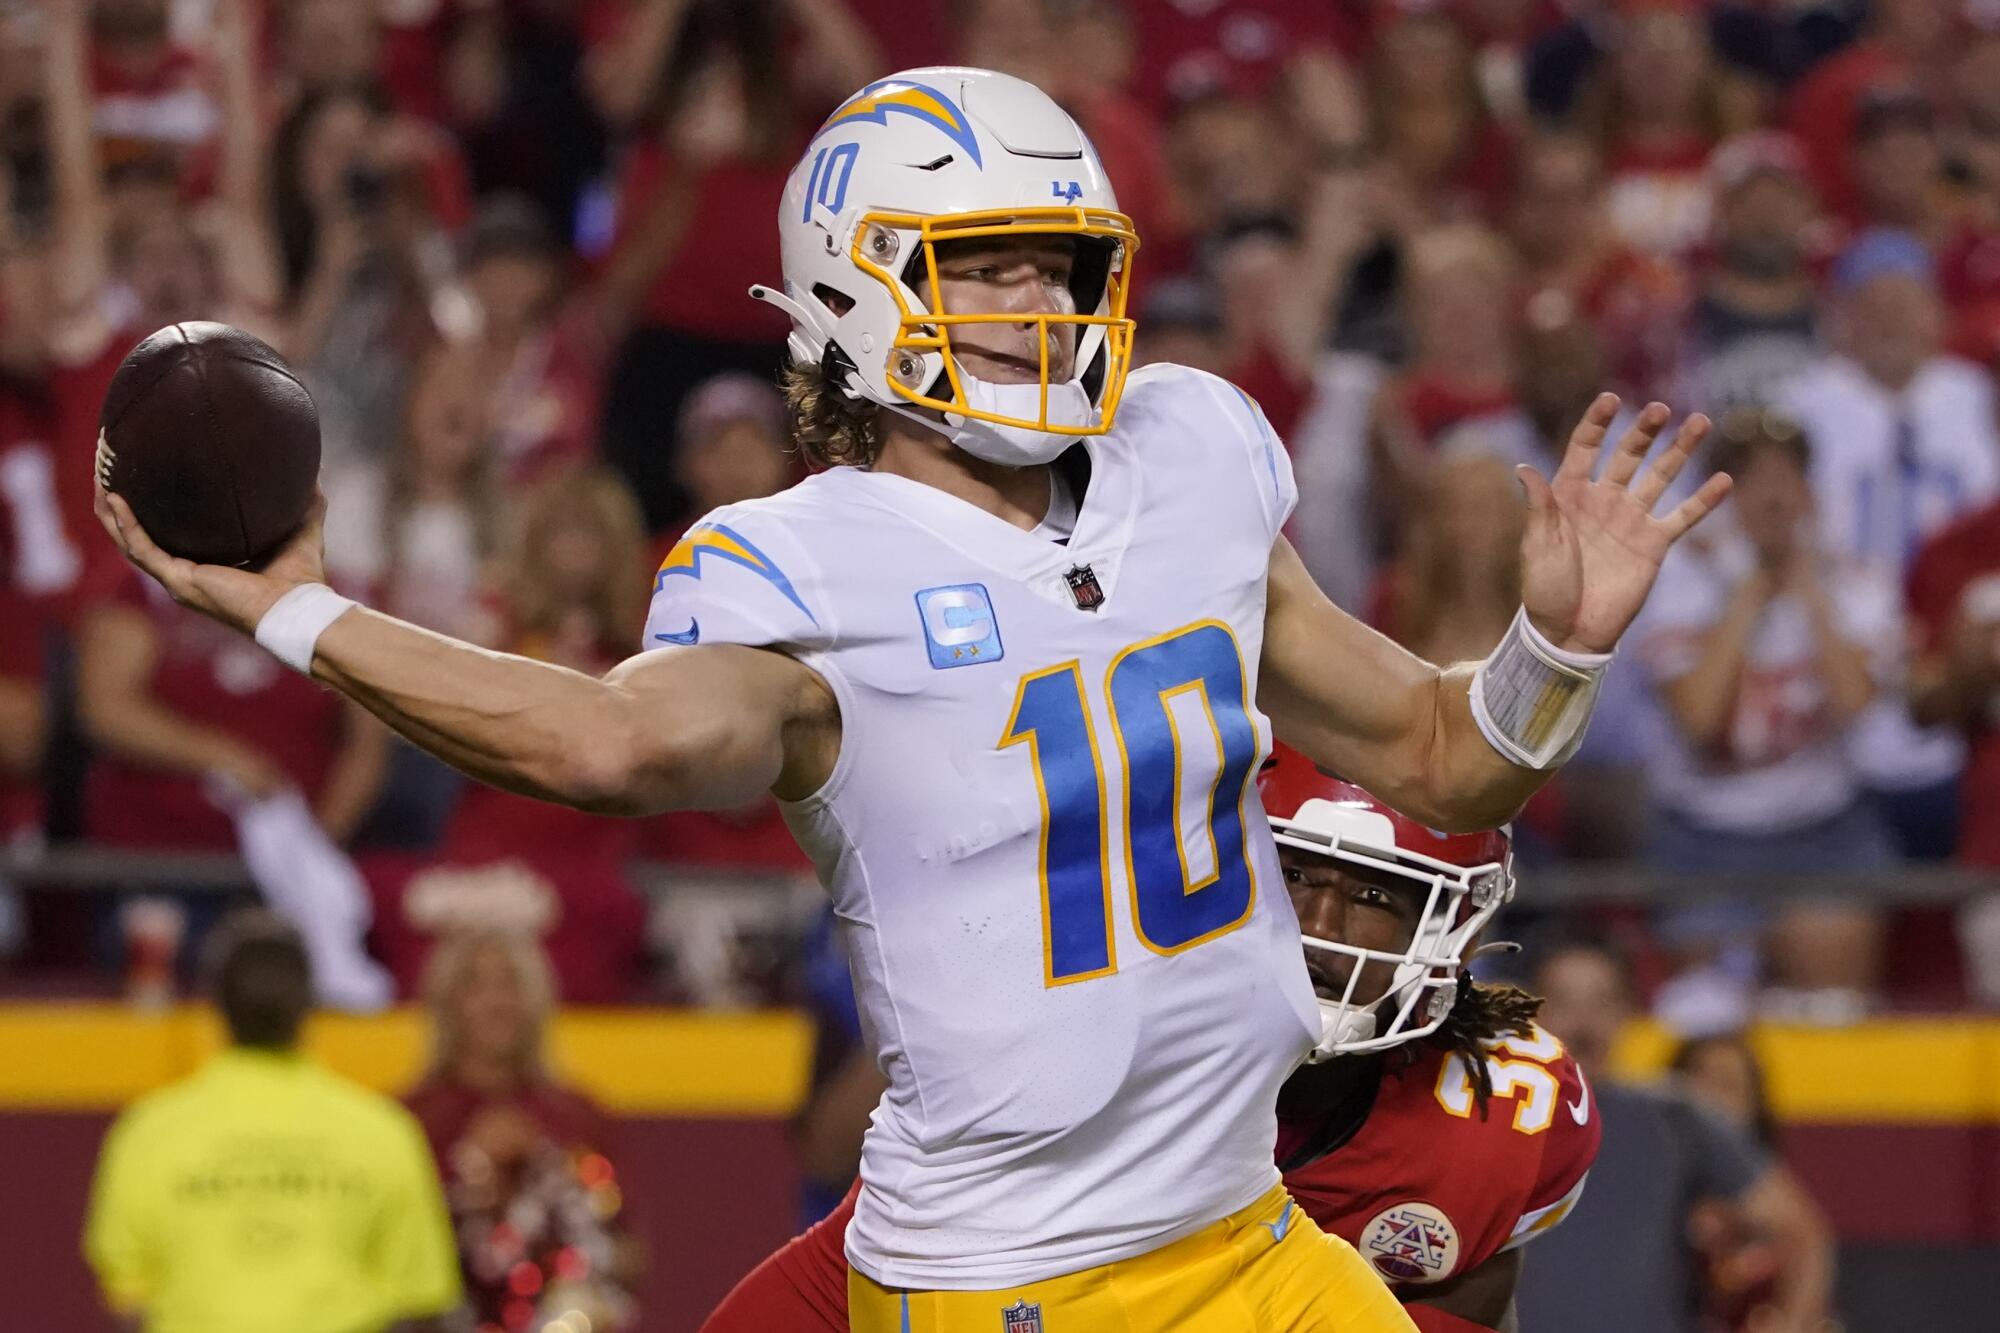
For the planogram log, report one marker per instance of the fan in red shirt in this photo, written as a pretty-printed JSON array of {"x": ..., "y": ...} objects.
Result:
[
  {"x": 128, "y": 254},
  {"x": 42, "y": 557},
  {"x": 38, "y": 563},
  {"x": 23, "y": 713},
  {"x": 148, "y": 93},
  {"x": 172, "y": 705},
  {"x": 1906, "y": 42},
  {"x": 1442, "y": 144},
  {"x": 717, "y": 101},
  {"x": 1191, "y": 47},
  {"x": 1954, "y": 599},
  {"x": 1435, "y": 1128},
  {"x": 569, "y": 593},
  {"x": 1661, "y": 103},
  {"x": 1575, "y": 264},
  {"x": 1459, "y": 306},
  {"x": 533, "y": 1196}
]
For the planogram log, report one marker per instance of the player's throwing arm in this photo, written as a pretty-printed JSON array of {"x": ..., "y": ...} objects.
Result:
[
  {"x": 708, "y": 727},
  {"x": 1463, "y": 747}
]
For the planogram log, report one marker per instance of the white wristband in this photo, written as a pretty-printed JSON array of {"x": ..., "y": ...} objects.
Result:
[
  {"x": 292, "y": 626},
  {"x": 1533, "y": 700}
]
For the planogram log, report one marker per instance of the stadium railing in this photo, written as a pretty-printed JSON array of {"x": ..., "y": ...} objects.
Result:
[{"x": 87, "y": 868}]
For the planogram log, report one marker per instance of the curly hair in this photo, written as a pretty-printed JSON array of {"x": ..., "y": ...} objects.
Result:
[
  {"x": 833, "y": 429},
  {"x": 1484, "y": 1013}
]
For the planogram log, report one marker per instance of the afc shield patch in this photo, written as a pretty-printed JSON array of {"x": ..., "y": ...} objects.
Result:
[
  {"x": 959, "y": 626},
  {"x": 1022, "y": 1317},
  {"x": 1411, "y": 1242}
]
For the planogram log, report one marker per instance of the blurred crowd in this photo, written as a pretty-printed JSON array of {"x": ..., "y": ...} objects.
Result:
[{"x": 507, "y": 244}]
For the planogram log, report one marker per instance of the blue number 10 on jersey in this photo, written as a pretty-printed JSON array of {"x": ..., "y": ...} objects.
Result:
[{"x": 1172, "y": 910}]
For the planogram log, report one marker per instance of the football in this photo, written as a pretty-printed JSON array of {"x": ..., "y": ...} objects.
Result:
[{"x": 213, "y": 441}]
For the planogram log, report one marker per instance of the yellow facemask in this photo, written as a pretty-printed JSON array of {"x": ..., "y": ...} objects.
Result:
[{"x": 920, "y": 332}]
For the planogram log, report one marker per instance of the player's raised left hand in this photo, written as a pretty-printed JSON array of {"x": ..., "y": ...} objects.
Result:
[{"x": 1593, "y": 547}]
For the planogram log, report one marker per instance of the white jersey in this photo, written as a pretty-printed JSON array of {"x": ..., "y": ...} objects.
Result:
[{"x": 1070, "y": 940}]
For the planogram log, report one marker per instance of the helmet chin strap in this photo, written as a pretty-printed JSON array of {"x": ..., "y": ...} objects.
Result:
[
  {"x": 1341, "y": 1025},
  {"x": 1008, "y": 445},
  {"x": 1014, "y": 445}
]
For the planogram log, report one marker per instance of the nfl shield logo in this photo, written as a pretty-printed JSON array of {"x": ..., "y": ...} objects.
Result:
[
  {"x": 1083, "y": 586},
  {"x": 1021, "y": 1317}
]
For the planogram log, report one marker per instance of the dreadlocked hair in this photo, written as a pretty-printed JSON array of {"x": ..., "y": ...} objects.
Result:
[
  {"x": 1483, "y": 1014},
  {"x": 834, "y": 430}
]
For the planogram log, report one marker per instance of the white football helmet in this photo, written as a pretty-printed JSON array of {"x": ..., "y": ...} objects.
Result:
[
  {"x": 1465, "y": 878},
  {"x": 936, "y": 155}
]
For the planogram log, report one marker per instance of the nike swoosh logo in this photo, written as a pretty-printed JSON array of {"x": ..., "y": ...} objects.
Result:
[
  {"x": 689, "y": 635},
  {"x": 1579, "y": 1110},
  {"x": 1281, "y": 1226}
]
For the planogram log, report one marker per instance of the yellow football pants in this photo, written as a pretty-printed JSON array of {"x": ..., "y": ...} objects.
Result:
[{"x": 1266, "y": 1269}]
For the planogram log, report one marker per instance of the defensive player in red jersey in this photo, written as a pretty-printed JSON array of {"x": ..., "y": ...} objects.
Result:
[
  {"x": 1436, "y": 1128},
  {"x": 1450, "y": 1130}
]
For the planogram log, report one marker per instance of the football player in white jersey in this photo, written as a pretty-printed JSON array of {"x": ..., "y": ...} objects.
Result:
[{"x": 1011, "y": 662}]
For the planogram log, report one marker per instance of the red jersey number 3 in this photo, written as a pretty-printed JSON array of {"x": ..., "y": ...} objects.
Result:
[{"x": 1520, "y": 1067}]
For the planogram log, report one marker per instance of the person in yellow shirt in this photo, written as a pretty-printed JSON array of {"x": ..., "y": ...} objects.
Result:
[{"x": 264, "y": 1193}]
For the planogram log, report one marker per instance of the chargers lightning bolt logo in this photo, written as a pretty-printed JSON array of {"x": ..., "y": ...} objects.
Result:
[
  {"x": 717, "y": 541},
  {"x": 876, "y": 102}
]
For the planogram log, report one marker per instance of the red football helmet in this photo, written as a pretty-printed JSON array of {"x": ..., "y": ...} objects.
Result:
[{"x": 1466, "y": 878}]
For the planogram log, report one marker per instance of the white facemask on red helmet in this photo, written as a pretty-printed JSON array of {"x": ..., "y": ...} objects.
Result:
[{"x": 1464, "y": 878}]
